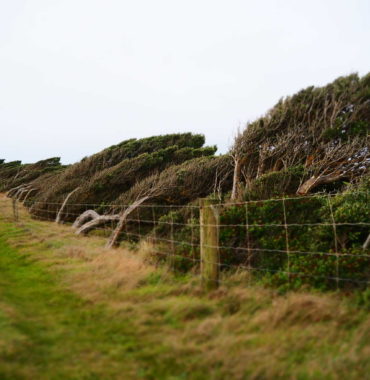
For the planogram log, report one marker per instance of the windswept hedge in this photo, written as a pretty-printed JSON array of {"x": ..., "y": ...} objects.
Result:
[
  {"x": 15, "y": 173},
  {"x": 104, "y": 177},
  {"x": 324, "y": 130},
  {"x": 310, "y": 251}
]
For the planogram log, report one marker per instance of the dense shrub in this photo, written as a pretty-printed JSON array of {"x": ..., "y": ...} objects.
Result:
[
  {"x": 105, "y": 176},
  {"x": 274, "y": 184},
  {"x": 320, "y": 128},
  {"x": 15, "y": 173},
  {"x": 315, "y": 240}
]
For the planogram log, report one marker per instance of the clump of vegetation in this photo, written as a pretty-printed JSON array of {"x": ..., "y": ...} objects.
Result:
[
  {"x": 183, "y": 183},
  {"x": 275, "y": 184},
  {"x": 15, "y": 174},
  {"x": 108, "y": 186},
  {"x": 324, "y": 129},
  {"x": 317, "y": 241},
  {"x": 314, "y": 240},
  {"x": 105, "y": 176}
]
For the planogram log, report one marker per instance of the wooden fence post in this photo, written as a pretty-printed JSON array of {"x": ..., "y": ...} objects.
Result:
[
  {"x": 15, "y": 209},
  {"x": 209, "y": 241}
]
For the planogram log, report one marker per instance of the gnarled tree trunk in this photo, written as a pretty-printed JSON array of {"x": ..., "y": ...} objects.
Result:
[
  {"x": 101, "y": 219},
  {"x": 84, "y": 217},
  {"x": 59, "y": 215},
  {"x": 315, "y": 181},
  {"x": 23, "y": 193},
  {"x": 13, "y": 190},
  {"x": 19, "y": 193},
  {"x": 28, "y": 194},
  {"x": 236, "y": 179},
  {"x": 122, "y": 221},
  {"x": 367, "y": 243}
]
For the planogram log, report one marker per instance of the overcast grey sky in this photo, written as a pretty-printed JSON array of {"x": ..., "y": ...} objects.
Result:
[{"x": 79, "y": 75}]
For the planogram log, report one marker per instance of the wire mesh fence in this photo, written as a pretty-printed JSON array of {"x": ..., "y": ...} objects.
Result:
[{"x": 321, "y": 240}]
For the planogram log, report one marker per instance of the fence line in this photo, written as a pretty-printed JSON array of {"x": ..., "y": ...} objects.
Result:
[{"x": 264, "y": 238}]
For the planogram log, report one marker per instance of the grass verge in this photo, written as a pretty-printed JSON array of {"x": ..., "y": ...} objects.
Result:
[{"x": 69, "y": 309}]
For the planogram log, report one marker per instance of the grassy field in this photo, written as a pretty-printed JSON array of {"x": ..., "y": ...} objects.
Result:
[{"x": 69, "y": 309}]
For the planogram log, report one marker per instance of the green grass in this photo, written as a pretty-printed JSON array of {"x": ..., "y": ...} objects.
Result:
[
  {"x": 52, "y": 333},
  {"x": 71, "y": 310}
]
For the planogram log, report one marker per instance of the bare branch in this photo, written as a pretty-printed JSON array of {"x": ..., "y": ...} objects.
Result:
[
  {"x": 59, "y": 215},
  {"x": 84, "y": 217},
  {"x": 122, "y": 222},
  {"x": 101, "y": 219}
]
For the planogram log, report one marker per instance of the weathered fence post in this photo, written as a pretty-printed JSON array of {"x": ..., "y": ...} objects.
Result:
[
  {"x": 15, "y": 209},
  {"x": 209, "y": 251}
]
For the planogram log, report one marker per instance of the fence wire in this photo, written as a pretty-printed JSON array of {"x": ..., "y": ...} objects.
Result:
[{"x": 317, "y": 239}]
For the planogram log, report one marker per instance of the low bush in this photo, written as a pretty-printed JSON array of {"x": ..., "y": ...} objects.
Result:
[{"x": 314, "y": 240}]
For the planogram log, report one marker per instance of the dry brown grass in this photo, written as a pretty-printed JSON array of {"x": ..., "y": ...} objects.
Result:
[
  {"x": 300, "y": 309},
  {"x": 107, "y": 272}
]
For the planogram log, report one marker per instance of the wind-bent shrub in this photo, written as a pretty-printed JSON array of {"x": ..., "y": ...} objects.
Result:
[
  {"x": 13, "y": 174},
  {"x": 103, "y": 177},
  {"x": 275, "y": 184},
  {"x": 324, "y": 129}
]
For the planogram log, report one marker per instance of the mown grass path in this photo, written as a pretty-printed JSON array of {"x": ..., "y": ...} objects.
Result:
[{"x": 48, "y": 332}]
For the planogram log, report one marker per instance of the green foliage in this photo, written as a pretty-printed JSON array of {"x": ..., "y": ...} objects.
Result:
[
  {"x": 308, "y": 125},
  {"x": 316, "y": 240},
  {"x": 274, "y": 184},
  {"x": 15, "y": 173},
  {"x": 108, "y": 185},
  {"x": 177, "y": 234},
  {"x": 106, "y": 176},
  {"x": 11, "y": 164},
  {"x": 345, "y": 131},
  {"x": 183, "y": 183},
  {"x": 287, "y": 243}
]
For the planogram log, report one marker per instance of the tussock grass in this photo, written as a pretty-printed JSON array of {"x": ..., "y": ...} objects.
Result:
[
  {"x": 303, "y": 309},
  {"x": 69, "y": 308}
]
